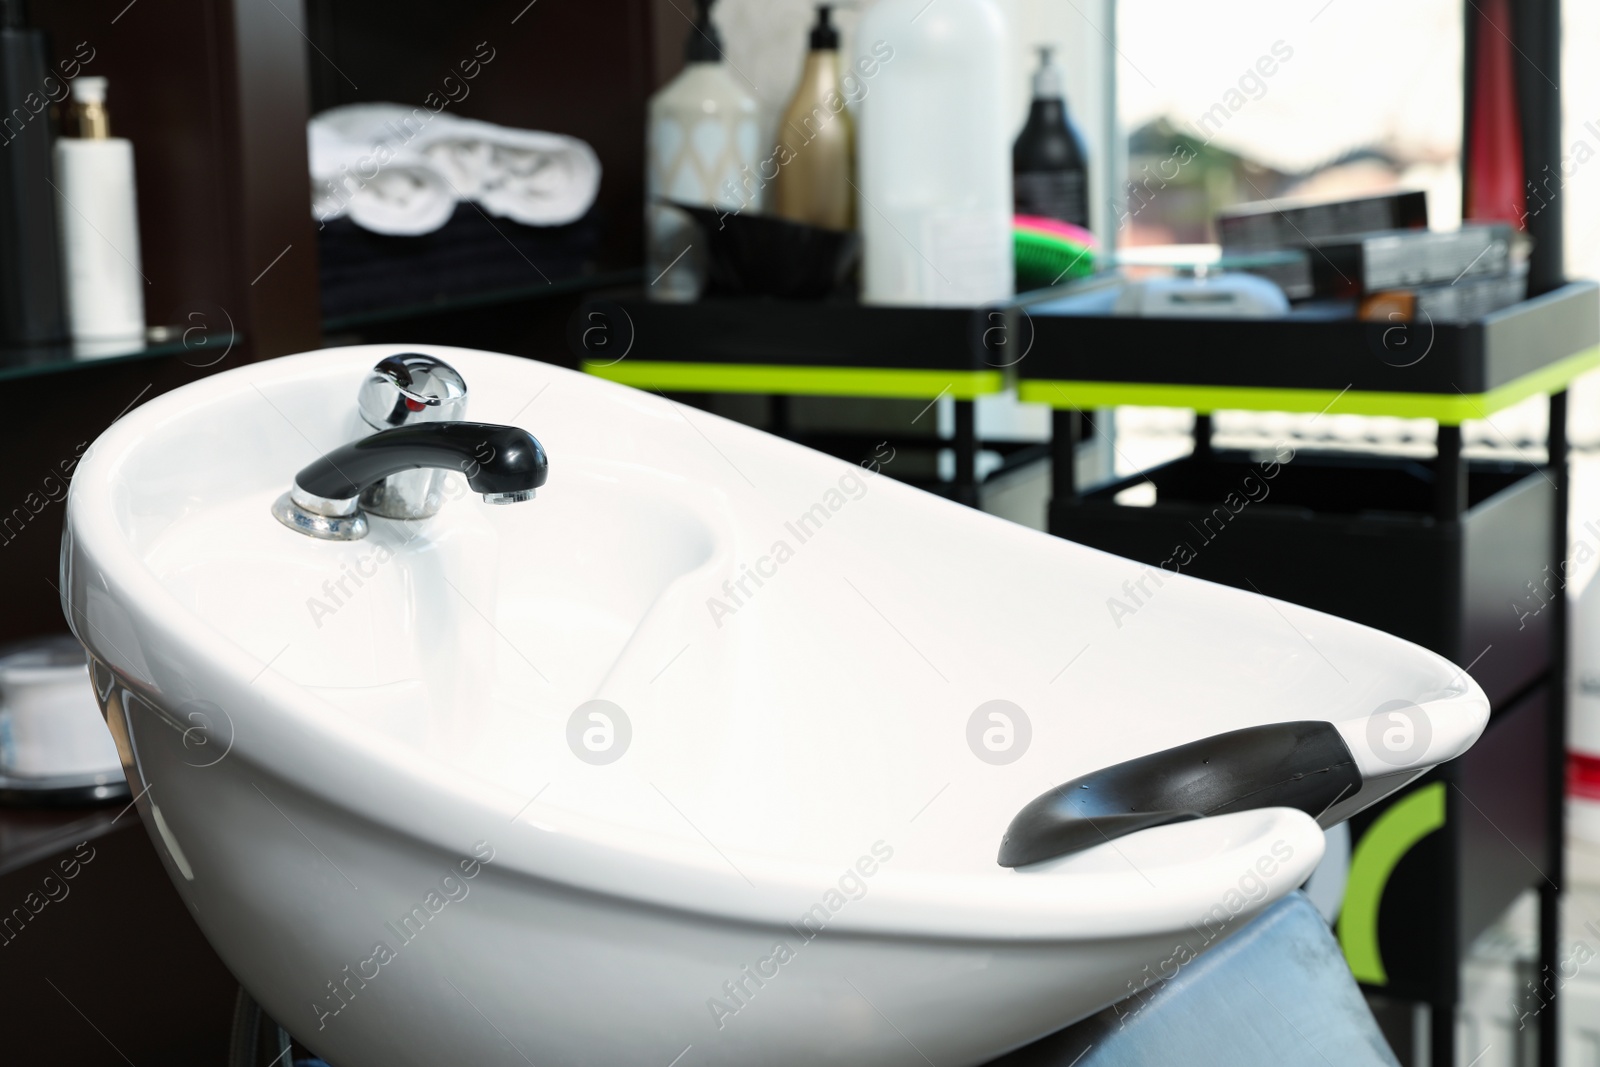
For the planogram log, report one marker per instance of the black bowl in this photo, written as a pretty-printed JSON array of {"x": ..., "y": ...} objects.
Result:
[{"x": 759, "y": 255}]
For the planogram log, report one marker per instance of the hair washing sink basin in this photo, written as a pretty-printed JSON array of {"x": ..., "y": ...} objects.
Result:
[{"x": 708, "y": 752}]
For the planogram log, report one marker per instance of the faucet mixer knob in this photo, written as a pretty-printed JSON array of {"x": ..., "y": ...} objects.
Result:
[{"x": 405, "y": 390}]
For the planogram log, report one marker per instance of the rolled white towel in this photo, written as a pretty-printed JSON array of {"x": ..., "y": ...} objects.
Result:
[
  {"x": 401, "y": 170},
  {"x": 531, "y": 177},
  {"x": 364, "y": 164}
]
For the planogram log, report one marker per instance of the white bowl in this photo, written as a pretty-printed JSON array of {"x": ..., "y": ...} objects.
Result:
[{"x": 50, "y": 727}]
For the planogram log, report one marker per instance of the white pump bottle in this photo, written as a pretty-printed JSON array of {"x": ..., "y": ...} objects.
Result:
[{"x": 99, "y": 221}]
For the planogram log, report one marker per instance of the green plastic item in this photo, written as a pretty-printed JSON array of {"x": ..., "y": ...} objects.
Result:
[{"x": 1045, "y": 259}]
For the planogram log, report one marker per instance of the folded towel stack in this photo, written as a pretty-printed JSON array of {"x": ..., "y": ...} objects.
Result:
[{"x": 402, "y": 170}]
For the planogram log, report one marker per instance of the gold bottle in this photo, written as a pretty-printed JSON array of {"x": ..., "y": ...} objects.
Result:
[{"x": 817, "y": 154}]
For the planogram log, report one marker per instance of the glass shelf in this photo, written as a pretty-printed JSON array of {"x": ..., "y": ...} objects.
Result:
[{"x": 200, "y": 347}]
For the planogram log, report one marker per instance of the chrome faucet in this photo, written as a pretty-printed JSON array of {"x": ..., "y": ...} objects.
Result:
[
  {"x": 406, "y": 390},
  {"x": 398, "y": 472}
]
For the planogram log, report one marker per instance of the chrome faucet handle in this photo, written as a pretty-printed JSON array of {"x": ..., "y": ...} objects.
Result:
[{"x": 406, "y": 390}]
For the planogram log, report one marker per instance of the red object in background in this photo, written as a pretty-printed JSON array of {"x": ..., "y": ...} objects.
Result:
[
  {"x": 1583, "y": 776},
  {"x": 1495, "y": 182}
]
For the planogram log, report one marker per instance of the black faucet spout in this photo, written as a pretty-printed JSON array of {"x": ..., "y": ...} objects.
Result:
[{"x": 504, "y": 463}]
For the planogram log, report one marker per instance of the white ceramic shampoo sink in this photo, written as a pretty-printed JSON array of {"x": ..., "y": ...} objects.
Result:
[{"x": 711, "y": 746}]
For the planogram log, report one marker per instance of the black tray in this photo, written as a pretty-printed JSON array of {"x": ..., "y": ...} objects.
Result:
[
  {"x": 788, "y": 333},
  {"x": 1306, "y": 352}
]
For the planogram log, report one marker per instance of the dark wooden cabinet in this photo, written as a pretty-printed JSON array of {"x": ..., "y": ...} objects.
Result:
[{"x": 101, "y": 964}]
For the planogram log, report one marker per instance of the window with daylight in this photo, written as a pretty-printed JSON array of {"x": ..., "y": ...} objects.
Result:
[{"x": 1230, "y": 101}]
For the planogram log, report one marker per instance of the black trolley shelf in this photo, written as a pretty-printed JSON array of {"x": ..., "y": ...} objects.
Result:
[
  {"x": 1465, "y": 558},
  {"x": 784, "y": 348}
]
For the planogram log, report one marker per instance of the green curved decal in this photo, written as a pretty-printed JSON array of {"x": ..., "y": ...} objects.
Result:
[{"x": 1389, "y": 838}]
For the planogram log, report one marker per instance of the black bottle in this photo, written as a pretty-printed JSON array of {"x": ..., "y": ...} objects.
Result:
[
  {"x": 1049, "y": 163},
  {"x": 31, "y": 305}
]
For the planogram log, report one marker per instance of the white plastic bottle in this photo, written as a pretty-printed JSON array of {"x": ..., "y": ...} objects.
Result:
[
  {"x": 704, "y": 148},
  {"x": 98, "y": 215},
  {"x": 935, "y": 154}
]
